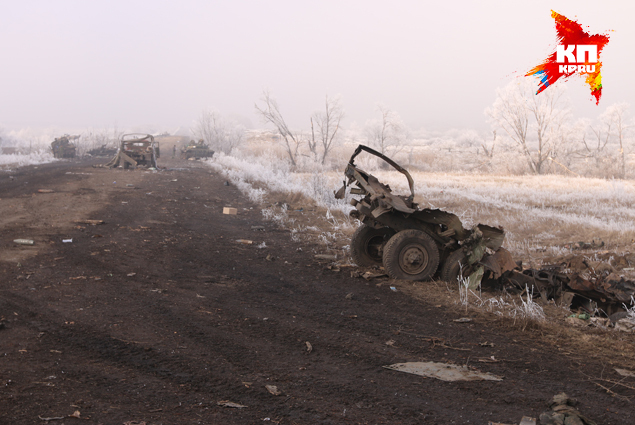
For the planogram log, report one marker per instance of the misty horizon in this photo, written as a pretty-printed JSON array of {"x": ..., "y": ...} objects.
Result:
[{"x": 158, "y": 64}]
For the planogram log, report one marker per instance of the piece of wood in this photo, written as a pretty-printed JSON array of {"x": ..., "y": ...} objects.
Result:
[{"x": 230, "y": 210}]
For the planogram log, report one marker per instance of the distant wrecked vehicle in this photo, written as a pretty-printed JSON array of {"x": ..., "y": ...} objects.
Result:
[
  {"x": 413, "y": 243},
  {"x": 63, "y": 148},
  {"x": 136, "y": 149},
  {"x": 196, "y": 150},
  {"x": 102, "y": 151}
]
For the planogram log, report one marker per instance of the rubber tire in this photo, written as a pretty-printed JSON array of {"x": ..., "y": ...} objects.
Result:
[
  {"x": 360, "y": 241},
  {"x": 451, "y": 268},
  {"x": 405, "y": 242}
]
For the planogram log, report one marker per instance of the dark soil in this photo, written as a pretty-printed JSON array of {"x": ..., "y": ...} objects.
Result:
[{"x": 159, "y": 314}]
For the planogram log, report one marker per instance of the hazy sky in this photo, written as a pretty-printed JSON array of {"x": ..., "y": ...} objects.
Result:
[{"x": 97, "y": 63}]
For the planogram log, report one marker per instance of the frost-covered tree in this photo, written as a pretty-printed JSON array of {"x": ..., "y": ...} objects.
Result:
[
  {"x": 615, "y": 115},
  {"x": 388, "y": 134},
  {"x": 270, "y": 113},
  {"x": 328, "y": 125},
  {"x": 219, "y": 133},
  {"x": 533, "y": 121}
]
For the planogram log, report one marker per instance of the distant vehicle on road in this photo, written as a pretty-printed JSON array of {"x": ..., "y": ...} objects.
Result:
[
  {"x": 196, "y": 150},
  {"x": 63, "y": 148}
]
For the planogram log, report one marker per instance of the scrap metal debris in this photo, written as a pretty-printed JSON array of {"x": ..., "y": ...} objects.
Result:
[
  {"x": 273, "y": 390},
  {"x": 625, "y": 372},
  {"x": 325, "y": 257},
  {"x": 135, "y": 149},
  {"x": 227, "y": 403},
  {"x": 562, "y": 411},
  {"x": 91, "y": 222},
  {"x": 412, "y": 243},
  {"x": 443, "y": 371},
  {"x": 23, "y": 241},
  {"x": 587, "y": 289}
]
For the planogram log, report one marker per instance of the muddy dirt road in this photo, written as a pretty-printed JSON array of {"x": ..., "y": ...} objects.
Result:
[{"x": 159, "y": 314}]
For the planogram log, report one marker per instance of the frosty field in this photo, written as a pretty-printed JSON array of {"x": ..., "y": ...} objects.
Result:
[{"x": 542, "y": 215}]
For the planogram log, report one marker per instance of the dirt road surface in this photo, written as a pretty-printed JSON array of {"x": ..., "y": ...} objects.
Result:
[{"x": 159, "y": 314}]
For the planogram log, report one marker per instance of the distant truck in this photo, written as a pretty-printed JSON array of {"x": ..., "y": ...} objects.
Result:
[
  {"x": 62, "y": 147},
  {"x": 196, "y": 150}
]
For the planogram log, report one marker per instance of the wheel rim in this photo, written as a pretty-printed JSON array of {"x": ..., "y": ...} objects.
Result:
[
  {"x": 373, "y": 247},
  {"x": 413, "y": 259}
]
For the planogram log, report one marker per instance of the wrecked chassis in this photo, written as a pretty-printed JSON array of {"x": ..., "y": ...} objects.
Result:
[
  {"x": 135, "y": 149},
  {"x": 413, "y": 243}
]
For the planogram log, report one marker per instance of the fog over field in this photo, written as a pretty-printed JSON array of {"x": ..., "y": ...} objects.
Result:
[
  {"x": 157, "y": 64},
  {"x": 440, "y": 87}
]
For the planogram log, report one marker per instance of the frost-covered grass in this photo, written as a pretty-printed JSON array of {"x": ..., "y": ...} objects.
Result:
[
  {"x": 541, "y": 214},
  {"x": 538, "y": 212},
  {"x": 20, "y": 160},
  {"x": 258, "y": 175}
]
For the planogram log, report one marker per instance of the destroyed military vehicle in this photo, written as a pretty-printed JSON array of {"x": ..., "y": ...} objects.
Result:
[
  {"x": 136, "y": 149},
  {"x": 102, "y": 151},
  {"x": 196, "y": 150},
  {"x": 62, "y": 147},
  {"x": 413, "y": 243}
]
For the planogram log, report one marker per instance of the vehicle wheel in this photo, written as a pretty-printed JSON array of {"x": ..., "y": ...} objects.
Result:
[
  {"x": 367, "y": 243},
  {"x": 455, "y": 265},
  {"x": 411, "y": 255}
]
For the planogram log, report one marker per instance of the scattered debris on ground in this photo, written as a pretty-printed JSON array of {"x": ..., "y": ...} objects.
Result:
[
  {"x": 443, "y": 371},
  {"x": 227, "y": 403},
  {"x": 417, "y": 244},
  {"x": 273, "y": 390},
  {"x": 562, "y": 411}
]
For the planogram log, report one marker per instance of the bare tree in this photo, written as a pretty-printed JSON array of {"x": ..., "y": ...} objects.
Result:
[
  {"x": 599, "y": 135},
  {"x": 388, "y": 134},
  {"x": 270, "y": 112},
  {"x": 615, "y": 116},
  {"x": 489, "y": 152},
  {"x": 328, "y": 124},
  {"x": 217, "y": 132},
  {"x": 520, "y": 112}
]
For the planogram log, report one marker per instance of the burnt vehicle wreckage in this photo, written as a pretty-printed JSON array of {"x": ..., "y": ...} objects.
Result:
[
  {"x": 412, "y": 243},
  {"x": 136, "y": 149}
]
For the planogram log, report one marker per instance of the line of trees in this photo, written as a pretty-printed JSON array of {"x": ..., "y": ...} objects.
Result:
[
  {"x": 388, "y": 134},
  {"x": 218, "y": 132},
  {"x": 543, "y": 130},
  {"x": 537, "y": 129}
]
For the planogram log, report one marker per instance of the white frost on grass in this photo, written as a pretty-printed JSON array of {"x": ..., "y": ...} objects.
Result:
[
  {"x": 275, "y": 175},
  {"x": 539, "y": 213},
  {"x": 21, "y": 160}
]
